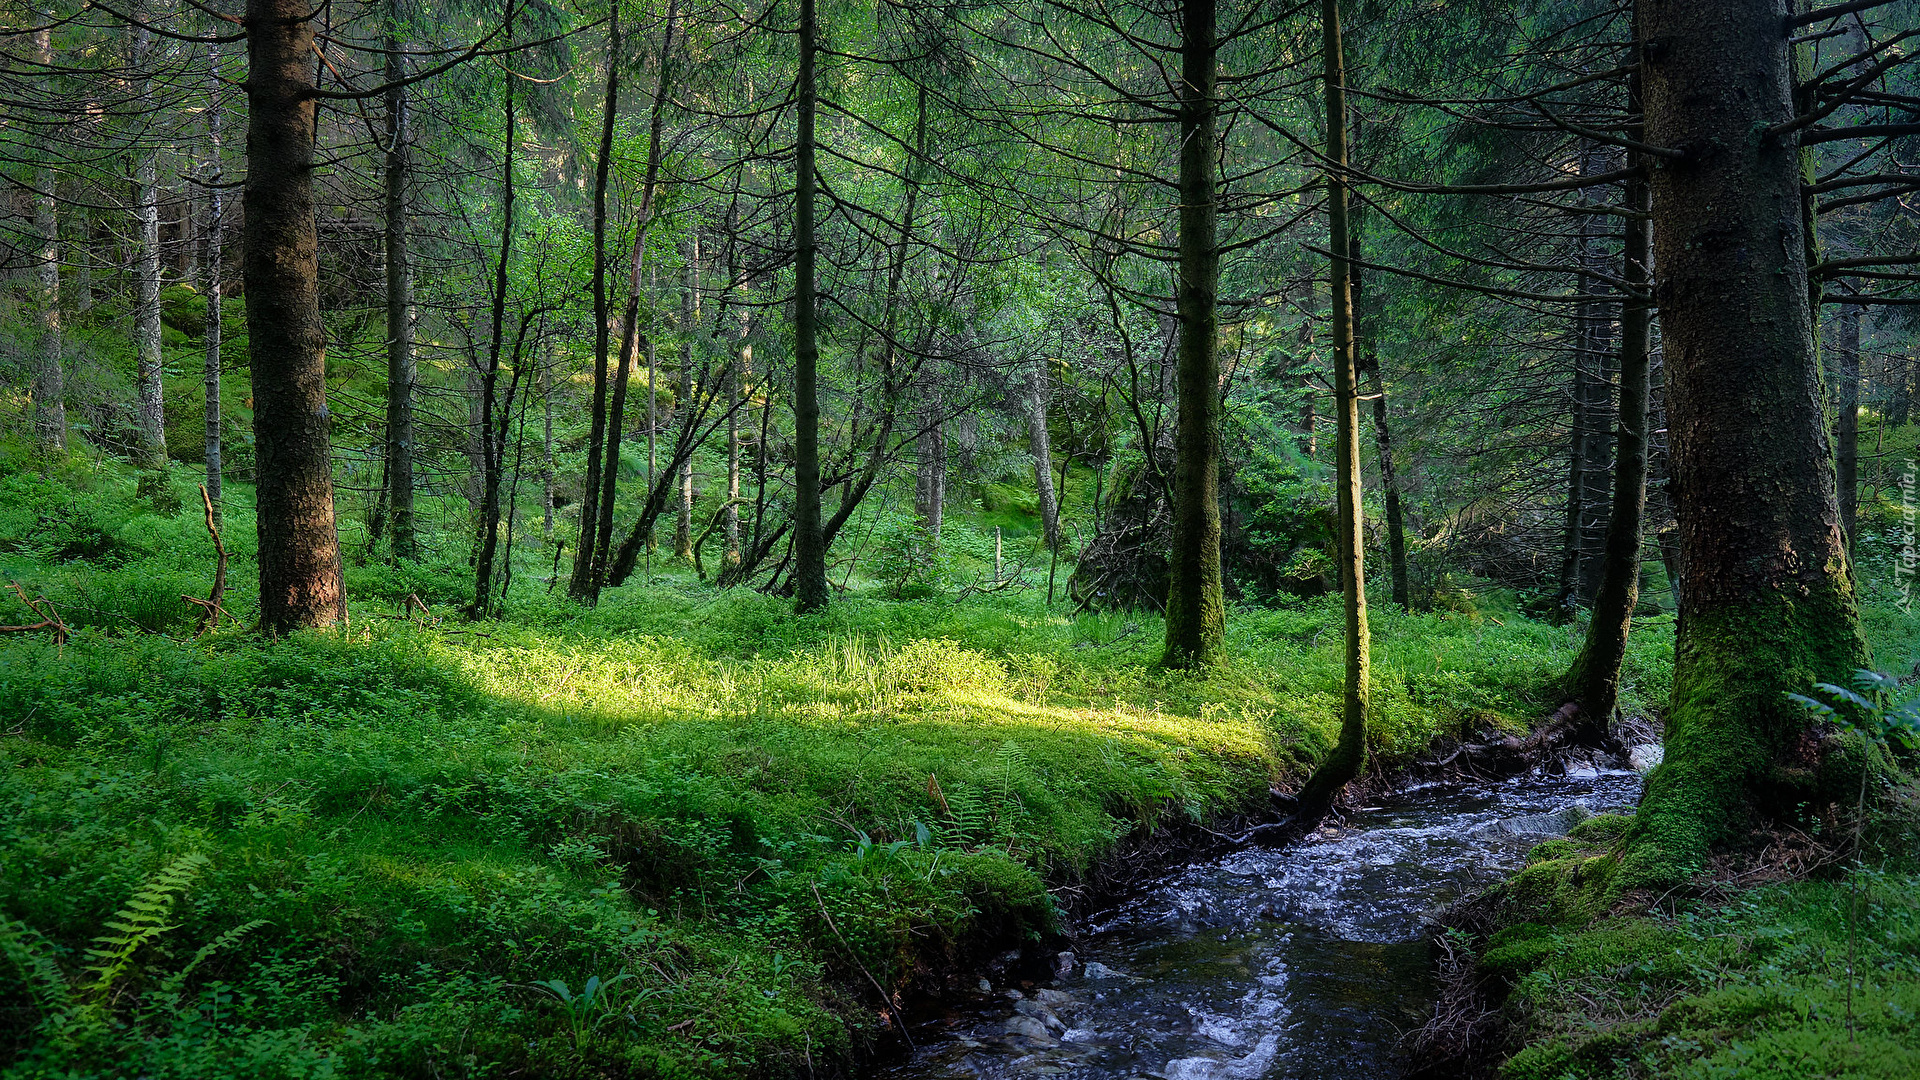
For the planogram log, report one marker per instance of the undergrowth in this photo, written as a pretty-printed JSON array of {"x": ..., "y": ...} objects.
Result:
[{"x": 682, "y": 834}]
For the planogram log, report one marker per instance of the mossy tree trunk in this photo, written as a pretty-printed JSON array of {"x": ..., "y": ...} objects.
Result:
[
  {"x": 300, "y": 584},
  {"x": 1349, "y": 754},
  {"x": 1196, "y": 597},
  {"x": 1768, "y": 603}
]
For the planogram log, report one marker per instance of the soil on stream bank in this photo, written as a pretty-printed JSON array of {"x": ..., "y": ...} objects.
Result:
[{"x": 1261, "y": 964}]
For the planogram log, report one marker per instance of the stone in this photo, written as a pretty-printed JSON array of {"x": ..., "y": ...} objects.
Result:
[
  {"x": 1645, "y": 756},
  {"x": 986, "y": 987},
  {"x": 1098, "y": 970},
  {"x": 1041, "y": 1013},
  {"x": 1063, "y": 965},
  {"x": 1055, "y": 999},
  {"x": 1028, "y": 1028}
]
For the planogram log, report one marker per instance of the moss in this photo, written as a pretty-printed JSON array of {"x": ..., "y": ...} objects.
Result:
[{"x": 1735, "y": 744}]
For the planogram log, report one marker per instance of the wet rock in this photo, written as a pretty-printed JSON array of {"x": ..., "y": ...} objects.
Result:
[
  {"x": 1028, "y": 1028},
  {"x": 1645, "y": 756},
  {"x": 986, "y": 987},
  {"x": 1063, "y": 965},
  {"x": 1098, "y": 970},
  {"x": 1055, "y": 999},
  {"x": 1014, "y": 995},
  {"x": 1555, "y": 823},
  {"x": 1041, "y": 1013}
]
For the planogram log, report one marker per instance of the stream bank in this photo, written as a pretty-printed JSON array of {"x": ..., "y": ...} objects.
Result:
[{"x": 1305, "y": 960}]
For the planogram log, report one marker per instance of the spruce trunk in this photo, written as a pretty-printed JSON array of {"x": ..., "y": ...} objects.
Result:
[
  {"x": 1768, "y": 604},
  {"x": 300, "y": 583},
  {"x": 1196, "y": 598},
  {"x": 809, "y": 544}
]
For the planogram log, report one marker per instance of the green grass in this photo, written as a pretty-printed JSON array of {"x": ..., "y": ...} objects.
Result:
[{"x": 411, "y": 832}]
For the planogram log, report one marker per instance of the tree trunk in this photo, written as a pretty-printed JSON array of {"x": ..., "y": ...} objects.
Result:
[
  {"x": 1349, "y": 754},
  {"x": 586, "y": 550},
  {"x": 402, "y": 375},
  {"x": 1846, "y": 425},
  {"x": 492, "y": 450},
  {"x": 689, "y": 322},
  {"x": 546, "y": 454},
  {"x": 146, "y": 304},
  {"x": 1040, "y": 446},
  {"x": 930, "y": 455},
  {"x": 214, "y": 266},
  {"x": 300, "y": 582},
  {"x": 1769, "y": 606},
  {"x": 737, "y": 386},
  {"x": 1594, "y": 683},
  {"x": 49, "y": 372},
  {"x": 1196, "y": 598},
  {"x": 809, "y": 545},
  {"x": 1367, "y": 359},
  {"x": 631, "y": 338}
]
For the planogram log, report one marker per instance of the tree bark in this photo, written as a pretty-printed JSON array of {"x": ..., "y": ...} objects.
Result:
[
  {"x": 1594, "y": 683},
  {"x": 689, "y": 323},
  {"x": 1196, "y": 597},
  {"x": 631, "y": 338},
  {"x": 586, "y": 550},
  {"x": 1769, "y": 606},
  {"x": 49, "y": 370},
  {"x": 1040, "y": 447},
  {"x": 930, "y": 456},
  {"x": 1349, "y": 754},
  {"x": 1846, "y": 424},
  {"x": 493, "y": 450},
  {"x": 737, "y": 386},
  {"x": 300, "y": 584},
  {"x": 402, "y": 374},
  {"x": 213, "y": 264},
  {"x": 146, "y": 305},
  {"x": 809, "y": 545},
  {"x": 1367, "y": 358}
]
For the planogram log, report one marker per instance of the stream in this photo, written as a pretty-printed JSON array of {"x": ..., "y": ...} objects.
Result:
[{"x": 1264, "y": 964}]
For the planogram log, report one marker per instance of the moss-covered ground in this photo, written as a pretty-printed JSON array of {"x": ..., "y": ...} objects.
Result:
[{"x": 409, "y": 848}]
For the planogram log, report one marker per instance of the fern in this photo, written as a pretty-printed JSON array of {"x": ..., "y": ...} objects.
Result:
[
  {"x": 968, "y": 814},
  {"x": 1011, "y": 758},
  {"x": 33, "y": 955},
  {"x": 143, "y": 918},
  {"x": 169, "y": 990}
]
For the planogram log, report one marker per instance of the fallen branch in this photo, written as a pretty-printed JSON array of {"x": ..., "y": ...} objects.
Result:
[
  {"x": 210, "y": 609},
  {"x": 49, "y": 618},
  {"x": 899, "y": 1022}
]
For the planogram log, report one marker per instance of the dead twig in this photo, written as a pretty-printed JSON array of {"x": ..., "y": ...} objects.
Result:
[
  {"x": 49, "y": 618},
  {"x": 210, "y": 609},
  {"x": 900, "y": 1022}
]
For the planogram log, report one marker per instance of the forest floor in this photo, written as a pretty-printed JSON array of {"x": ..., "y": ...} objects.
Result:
[
  {"x": 683, "y": 834},
  {"x": 412, "y": 844}
]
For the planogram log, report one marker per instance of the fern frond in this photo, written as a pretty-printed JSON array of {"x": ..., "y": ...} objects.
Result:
[
  {"x": 139, "y": 921},
  {"x": 170, "y": 988},
  {"x": 33, "y": 955}
]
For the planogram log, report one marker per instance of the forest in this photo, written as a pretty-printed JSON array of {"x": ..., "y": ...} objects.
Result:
[{"x": 959, "y": 539}]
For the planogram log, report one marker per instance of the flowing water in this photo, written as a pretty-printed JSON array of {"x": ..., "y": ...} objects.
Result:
[{"x": 1307, "y": 961}]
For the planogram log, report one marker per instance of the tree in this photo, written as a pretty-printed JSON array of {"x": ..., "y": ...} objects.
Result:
[
  {"x": 1196, "y": 594},
  {"x": 402, "y": 373},
  {"x": 49, "y": 376},
  {"x": 1349, "y": 754},
  {"x": 1769, "y": 602},
  {"x": 300, "y": 577},
  {"x": 214, "y": 264},
  {"x": 809, "y": 542}
]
